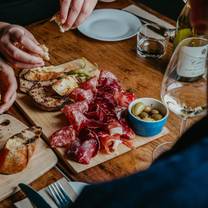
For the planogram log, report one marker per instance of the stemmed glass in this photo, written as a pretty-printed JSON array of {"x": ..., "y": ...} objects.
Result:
[
  {"x": 184, "y": 86},
  {"x": 186, "y": 96}
]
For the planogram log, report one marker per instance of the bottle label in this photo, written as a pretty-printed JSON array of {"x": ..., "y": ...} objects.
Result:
[{"x": 192, "y": 61}]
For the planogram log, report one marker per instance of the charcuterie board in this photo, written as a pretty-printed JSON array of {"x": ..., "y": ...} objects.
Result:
[
  {"x": 42, "y": 160},
  {"x": 52, "y": 121}
]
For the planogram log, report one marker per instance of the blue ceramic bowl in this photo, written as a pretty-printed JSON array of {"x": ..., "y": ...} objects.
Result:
[{"x": 148, "y": 128}]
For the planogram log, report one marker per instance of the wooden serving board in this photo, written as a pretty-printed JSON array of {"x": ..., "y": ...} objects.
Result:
[
  {"x": 42, "y": 160},
  {"x": 52, "y": 121}
]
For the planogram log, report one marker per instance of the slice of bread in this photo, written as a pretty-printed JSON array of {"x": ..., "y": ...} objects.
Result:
[{"x": 18, "y": 150}]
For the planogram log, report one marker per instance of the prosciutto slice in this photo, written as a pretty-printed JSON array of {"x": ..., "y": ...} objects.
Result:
[{"x": 109, "y": 144}]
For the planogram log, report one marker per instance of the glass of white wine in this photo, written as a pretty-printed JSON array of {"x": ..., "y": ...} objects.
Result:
[{"x": 184, "y": 86}]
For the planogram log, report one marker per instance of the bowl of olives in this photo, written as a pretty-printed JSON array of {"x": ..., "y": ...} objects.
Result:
[{"x": 147, "y": 116}]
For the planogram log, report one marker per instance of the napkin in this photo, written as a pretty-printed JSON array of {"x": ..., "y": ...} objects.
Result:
[
  {"x": 73, "y": 189},
  {"x": 141, "y": 12}
]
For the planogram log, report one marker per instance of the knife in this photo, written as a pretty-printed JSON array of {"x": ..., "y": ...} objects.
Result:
[
  {"x": 34, "y": 196},
  {"x": 170, "y": 32}
]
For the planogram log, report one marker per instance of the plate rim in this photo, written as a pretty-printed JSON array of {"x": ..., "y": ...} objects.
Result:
[{"x": 111, "y": 39}]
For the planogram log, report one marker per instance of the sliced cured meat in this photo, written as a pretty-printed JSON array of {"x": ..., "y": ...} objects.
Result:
[
  {"x": 101, "y": 111},
  {"x": 63, "y": 137},
  {"x": 88, "y": 134},
  {"x": 46, "y": 99},
  {"x": 120, "y": 112},
  {"x": 82, "y": 107},
  {"x": 80, "y": 94},
  {"x": 127, "y": 131},
  {"x": 107, "y": 78},
  {"x": 108, "y": 82},
  {"x": 115, "y": 128},
  {"x": 124, "y": 98},
  {"x": 83, "y": 152},
  {"x": 127, "y": 142},
  {"x": 109, "y": 144},
  {"x": 90, "y": 84},
  {"x": 77, "y": 119}
]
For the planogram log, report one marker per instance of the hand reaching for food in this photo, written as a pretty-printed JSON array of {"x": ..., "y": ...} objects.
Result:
[
  {"x": 8, "y": 86},
  {"x": 73, "y": 13},
  {"x": 19, "y": 47}
]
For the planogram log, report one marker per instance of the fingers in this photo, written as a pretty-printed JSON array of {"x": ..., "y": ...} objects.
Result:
[
  {"x": 27, "y": 40},
  {"x": 86, "y": 10},
  {"x": 64, "y": 10},
  {"x": 21, "y": 56},
  {"x": 73, "y": 13},
  {"x": 31, "y": 46},
  {"x": 5, "y": 106},
  {"x": 20, "y": 65}
]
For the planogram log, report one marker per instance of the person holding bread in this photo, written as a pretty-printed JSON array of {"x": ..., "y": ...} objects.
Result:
[{"x": 18, "y": 47}]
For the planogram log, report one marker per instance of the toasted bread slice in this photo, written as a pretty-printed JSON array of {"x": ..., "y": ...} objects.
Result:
[
  {"x": 54, "y": 72},
  {"x": 47, "y": 99},
  {"x": 18, "y": 150},
  {"x": 25, "y": 85}
]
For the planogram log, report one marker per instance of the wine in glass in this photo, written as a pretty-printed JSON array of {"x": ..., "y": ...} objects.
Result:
[{"x": 184, "y": 86}]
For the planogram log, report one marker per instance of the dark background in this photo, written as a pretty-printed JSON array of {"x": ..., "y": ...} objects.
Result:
[{"x": 169, "y": 8}]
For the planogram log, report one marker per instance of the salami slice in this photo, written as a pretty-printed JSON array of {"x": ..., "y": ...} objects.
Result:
[
  {"x": 80, "y": 94},
  {"x": 83, "y": 152},
  {"x": 63, "y": 137}
]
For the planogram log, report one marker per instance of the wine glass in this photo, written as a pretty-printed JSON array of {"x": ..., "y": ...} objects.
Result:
[{"x": 184, "y": 86}]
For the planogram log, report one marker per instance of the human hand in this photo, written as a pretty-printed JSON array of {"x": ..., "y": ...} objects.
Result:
[
  {"x": 74, "y": 12},
  {"x": 8, "y": 86},
  {"x": 19, "y": 47}
]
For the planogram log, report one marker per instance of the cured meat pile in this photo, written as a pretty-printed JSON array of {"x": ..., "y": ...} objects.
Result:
[{"x": 96, "y": 119}]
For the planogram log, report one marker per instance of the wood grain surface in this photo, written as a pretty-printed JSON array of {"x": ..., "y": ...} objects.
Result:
[
  {"x": 144, "y": 76},
  {"x": 34, "y": 169}
]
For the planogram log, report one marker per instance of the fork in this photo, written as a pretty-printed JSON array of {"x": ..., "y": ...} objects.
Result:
[{"x": 58, "y": 195}]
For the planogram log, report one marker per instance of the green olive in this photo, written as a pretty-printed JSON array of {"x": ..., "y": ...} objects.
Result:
[
  {"x": 157, "y": 116},
  {"x": 154, "y": 111},
  {"x": 148, "y": 119},
  {"x": 147, "y": 109},
  {"x": 138, "y": 108},
  {"x": 143, "y": 115}
]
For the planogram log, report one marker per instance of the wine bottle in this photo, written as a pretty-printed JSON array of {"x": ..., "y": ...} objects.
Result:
[
  {"x": 191, "y": 64},
  {"x": 193, "y": 21},
  {"x": 183, "y": 25}
]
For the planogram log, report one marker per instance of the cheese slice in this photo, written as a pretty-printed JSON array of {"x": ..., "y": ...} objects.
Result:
[{"x": 65, "y": 85}]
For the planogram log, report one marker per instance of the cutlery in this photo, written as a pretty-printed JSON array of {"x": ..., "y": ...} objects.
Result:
[
  {"x": 170, "y": 32},
  {"x": 34, "y": 196},
  {"x": 59, "y": 196}
]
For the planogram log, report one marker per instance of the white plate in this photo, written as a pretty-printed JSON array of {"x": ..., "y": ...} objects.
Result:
[{"x": 110, "y": 25}]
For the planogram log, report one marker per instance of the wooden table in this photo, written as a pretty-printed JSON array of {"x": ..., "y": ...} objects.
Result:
[{"x": 142, "y": 75}]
